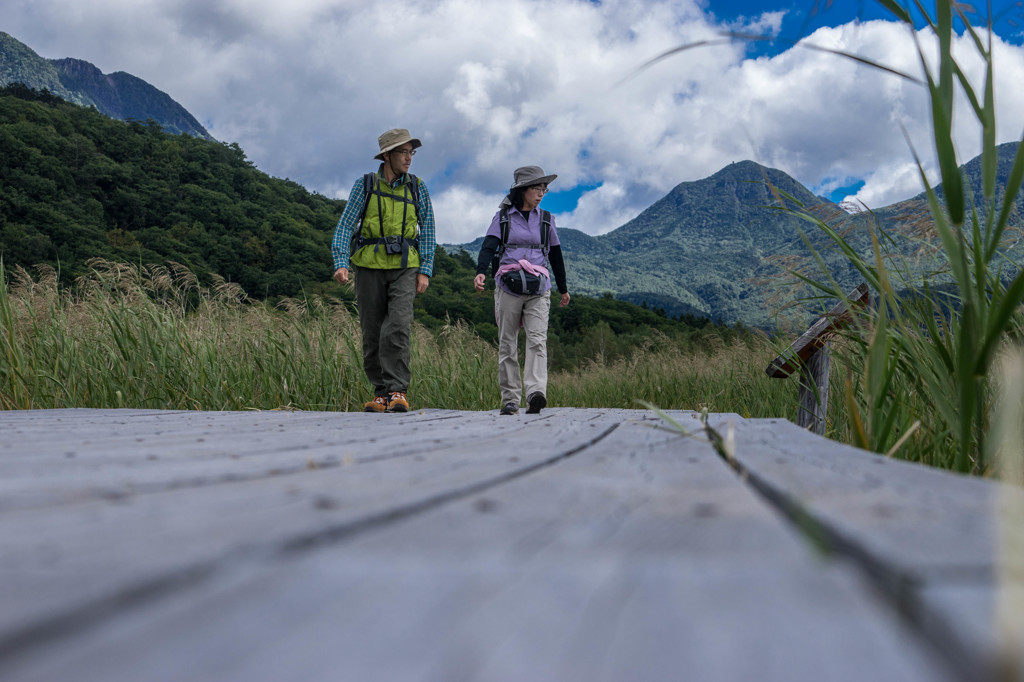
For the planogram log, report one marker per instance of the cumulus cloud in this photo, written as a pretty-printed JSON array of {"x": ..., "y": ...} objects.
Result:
[
  {"x": 305, "y": 87},
  {"x": 602, "y": 209},
  {"x": 472, "y": 211}
]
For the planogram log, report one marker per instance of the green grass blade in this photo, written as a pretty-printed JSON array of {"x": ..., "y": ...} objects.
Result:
[
  {"x": 1007, "y": 305},
  {"x": 897, "y": 11},
  {"x": 1012, "y": 188}
]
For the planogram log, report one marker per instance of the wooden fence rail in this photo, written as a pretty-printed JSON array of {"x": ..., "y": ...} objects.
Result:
[{"x": 810, "y": 355}]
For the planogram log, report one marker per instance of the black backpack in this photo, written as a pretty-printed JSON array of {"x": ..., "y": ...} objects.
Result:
[
  {"x": 394, "y": 244},
  {"x": 503, "y": 222}
]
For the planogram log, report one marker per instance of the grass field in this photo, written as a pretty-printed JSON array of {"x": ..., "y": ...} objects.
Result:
[{"x": 154, "y": 338}]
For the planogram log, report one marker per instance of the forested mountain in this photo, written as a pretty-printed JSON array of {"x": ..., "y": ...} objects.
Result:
[
  {"x": 704, "y": 244},
  {"x": 705, "y": 249},
  {"x": 972, "y": 175},
  {"x": 75, "y": 184},
  {"x": 719, "y": 247},
  {"x": 590, "y": 328},
  {"x": 118, "y": 95}
]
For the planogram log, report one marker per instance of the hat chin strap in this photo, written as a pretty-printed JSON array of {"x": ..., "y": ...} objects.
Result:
[{"x": 390, "y": 167}]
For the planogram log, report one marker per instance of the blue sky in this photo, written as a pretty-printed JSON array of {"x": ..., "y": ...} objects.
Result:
[
  {"x": 489, "y": 85},
  {"x": 799, "y": 19},
  {"x": 803, "y": 17}
]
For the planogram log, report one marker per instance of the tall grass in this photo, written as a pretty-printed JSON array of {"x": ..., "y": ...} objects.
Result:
[
  {"x": 922, "y": 370},
  {"x": 153, "y": 338},
  {"x": 728, "y": 378}
]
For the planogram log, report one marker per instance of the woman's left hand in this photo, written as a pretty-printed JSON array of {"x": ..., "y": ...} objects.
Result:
[{"x": 565, "y": 300}]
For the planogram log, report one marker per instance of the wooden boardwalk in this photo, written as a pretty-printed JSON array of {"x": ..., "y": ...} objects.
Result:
[{"x": 145, "y": 545}]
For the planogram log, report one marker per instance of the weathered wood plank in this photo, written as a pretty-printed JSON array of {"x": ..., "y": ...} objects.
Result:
[
  {"x": 923, "y": 520},
  {"x": 935, "y": 541},
  {"x": 114, "y": 456},
  {"x": 812, "y": 413},
  {"x": 638, "y": 555},
  {"x": 73, "y": 560}
]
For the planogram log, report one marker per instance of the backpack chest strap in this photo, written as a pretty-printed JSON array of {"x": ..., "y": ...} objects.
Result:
[{"x": 392, "y": 245}]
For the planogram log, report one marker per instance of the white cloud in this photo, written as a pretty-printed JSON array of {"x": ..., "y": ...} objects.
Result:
[
  {"x": 601, "y": 210},
  {"x": 766, "y": 24},
  {"x": 890, "y": 183},
  {"x": 305, "y": 87},
  {"x": 470, "y": 212}
]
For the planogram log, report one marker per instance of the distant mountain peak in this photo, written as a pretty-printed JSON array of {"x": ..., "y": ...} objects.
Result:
[
  {"x": 118, "y": 95},
  {"x": 736, "y": 194},
  {"x": 720, "y": 247}
]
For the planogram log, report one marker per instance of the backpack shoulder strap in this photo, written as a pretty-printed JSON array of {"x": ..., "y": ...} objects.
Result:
[
  {"x": 545, "y": 229},
  {"x": 415, "y": 182},
  {"x": 414, "y": 188},
  {"x": 369, "y": 184},
  {"x": 370, "y": 189},
  {"x": 503, "y": 223}
]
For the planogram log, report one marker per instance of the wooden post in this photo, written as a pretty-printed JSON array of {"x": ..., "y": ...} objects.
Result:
[
  {"x": 810, "y": 354},
  {"x": 813, "y": 411}
]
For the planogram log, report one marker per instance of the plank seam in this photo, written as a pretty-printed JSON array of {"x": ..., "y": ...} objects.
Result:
[
  {"x": 898, "y": 588},
  {"x": 57, "y": 627},
  {"x": 343, "y": 531},
  {"x": 141, "y": 489},
  {"x": 53, "y": 628}
]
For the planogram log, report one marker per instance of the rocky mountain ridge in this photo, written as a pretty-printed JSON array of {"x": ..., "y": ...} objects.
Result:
[{"x": 118, "y": 95}]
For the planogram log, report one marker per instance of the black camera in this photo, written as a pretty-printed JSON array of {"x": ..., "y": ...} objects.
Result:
[{"x": 393, "y": 245}]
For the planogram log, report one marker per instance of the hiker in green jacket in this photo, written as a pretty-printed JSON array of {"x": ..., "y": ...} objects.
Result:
[{"x": 391, "y": 261}]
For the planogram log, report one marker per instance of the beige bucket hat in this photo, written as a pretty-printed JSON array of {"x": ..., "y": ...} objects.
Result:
[
  {"x": 530, "y": 175},
  {"x": 395, "y": 137}
]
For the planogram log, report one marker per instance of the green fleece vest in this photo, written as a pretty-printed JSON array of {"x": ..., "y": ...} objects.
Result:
[{"x": 391, "y": 204}]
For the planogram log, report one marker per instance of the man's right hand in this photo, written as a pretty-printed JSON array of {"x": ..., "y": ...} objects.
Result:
[
  {"x": 341, "y": 275},
  {"x": 478, "y": 282}
]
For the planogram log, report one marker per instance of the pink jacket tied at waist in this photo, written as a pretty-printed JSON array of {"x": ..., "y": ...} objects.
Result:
[
  {"x": 524, "y": 264},
  {"x": 521, "y": 264}
]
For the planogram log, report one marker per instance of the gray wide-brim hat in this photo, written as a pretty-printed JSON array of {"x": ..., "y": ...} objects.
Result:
[
  {"x": 393, "y": 138},
  {"x": 525, "y": 177},
  {"x": 530, "y": 175}
]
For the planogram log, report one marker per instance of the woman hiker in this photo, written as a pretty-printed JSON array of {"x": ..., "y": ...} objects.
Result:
[{"x": 519, "y": 244}]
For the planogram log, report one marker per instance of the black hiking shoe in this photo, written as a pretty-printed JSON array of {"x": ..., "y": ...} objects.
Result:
[
  {"x": 536, "y": 401},
  {"x": 510, "y": 408}
]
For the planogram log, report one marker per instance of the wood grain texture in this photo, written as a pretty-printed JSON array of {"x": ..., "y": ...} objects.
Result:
[
  {"x": 940, "y": 544},
  {"x": 70, "y": 560},
  {"x": 812, "y": 413},
  {"x": 571, "y": 545}
]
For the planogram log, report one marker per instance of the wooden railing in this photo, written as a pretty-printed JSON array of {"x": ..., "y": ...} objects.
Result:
[{"x": 811, "y": 356}]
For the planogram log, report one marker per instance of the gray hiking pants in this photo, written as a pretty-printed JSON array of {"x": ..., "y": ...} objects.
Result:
[
  {"x": 533, "y": 311},
  {"x": 384, "y": 298}
]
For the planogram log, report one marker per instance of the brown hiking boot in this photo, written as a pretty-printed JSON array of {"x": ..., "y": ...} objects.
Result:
[
  {"x": 397, "y": 402},
  {"x": 378, "y": 404}
]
